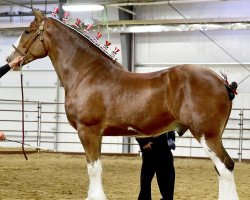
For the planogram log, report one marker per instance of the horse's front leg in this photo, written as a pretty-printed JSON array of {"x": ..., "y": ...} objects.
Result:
[{"x": 91, "y": 141}]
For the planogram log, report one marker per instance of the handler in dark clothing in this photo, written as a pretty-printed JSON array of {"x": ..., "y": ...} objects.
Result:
[
  {"x": 157, "y": 158},
  {"x": 14, "y": 64}
]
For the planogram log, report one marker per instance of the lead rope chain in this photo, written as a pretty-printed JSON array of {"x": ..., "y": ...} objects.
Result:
[{"x": 24, "y": 153}]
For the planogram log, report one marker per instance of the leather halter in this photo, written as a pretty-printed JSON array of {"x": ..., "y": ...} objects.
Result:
[{"x": 38, "y": 32}]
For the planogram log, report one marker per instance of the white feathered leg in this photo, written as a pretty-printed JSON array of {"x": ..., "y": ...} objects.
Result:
[
  {"x": 96, "y": 191},
  {"x": 227, "y": 188}
]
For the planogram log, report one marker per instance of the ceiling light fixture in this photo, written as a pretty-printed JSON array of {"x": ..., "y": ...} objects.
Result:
[{"x": 82, "y": 7}]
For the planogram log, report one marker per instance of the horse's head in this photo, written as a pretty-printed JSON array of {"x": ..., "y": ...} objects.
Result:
[{"x": 31, "y": 43}]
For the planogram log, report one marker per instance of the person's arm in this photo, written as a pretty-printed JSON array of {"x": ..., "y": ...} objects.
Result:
[
  {"x": 14, "y": 64},
  {"x": 4, "y": 69}
]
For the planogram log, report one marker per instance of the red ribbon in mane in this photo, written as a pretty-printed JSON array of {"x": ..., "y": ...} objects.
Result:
[
  {"x": 77, "y": 23},
  {"x": 98, "y": 35},
  {"x": 106, "y": 45},
  {"x": 54, "y": 13},
  {"x": 66, "y": 15},
  {"x": 86, "y": 30},
  {"x": 116, "y": 50}
]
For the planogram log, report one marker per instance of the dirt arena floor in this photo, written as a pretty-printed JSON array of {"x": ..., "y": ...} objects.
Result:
[{"x": 59, "y": 176}]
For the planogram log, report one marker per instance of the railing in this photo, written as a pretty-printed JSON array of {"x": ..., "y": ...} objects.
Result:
[{"x": 46, "y": 125}]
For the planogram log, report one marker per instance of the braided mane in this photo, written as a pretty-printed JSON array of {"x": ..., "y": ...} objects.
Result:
[
  {"x": 91, "y": 41},
  {"x": 85, "y": 36}
]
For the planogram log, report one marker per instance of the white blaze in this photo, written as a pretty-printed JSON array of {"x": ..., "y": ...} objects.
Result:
[
  {"x": 11, "y": 51},
  {"x": 18, "y": 41}
]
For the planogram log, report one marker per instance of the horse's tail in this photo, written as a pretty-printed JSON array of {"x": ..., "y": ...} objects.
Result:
[{"x": 231, "y": 88}]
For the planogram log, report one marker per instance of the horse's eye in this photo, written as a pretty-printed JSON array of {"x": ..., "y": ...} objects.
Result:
[{"x": 26, "y": 32}]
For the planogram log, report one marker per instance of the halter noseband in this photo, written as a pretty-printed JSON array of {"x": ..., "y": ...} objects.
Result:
[{"x": 38, "y": 32}]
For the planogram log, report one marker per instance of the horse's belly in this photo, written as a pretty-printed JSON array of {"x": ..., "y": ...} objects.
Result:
[
  {"x": 131, "y": 130},
  {"x": 120, "y": 131}
]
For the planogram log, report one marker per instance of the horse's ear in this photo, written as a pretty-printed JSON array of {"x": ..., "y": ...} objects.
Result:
[{"x": 38, "y": 14}]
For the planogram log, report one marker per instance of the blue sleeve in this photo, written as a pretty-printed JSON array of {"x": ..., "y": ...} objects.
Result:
[
  {"x": 171, "y": 135},
  {"x": 4, "y": 69}
]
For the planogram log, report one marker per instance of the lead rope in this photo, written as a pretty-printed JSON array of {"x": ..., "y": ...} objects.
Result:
[
  {"x": 24, "y": 153},
  {"x": 21, "y": 65}
]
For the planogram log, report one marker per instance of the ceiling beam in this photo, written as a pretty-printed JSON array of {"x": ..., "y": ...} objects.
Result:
[
  {"x": 176, "y": 21},
  {"x": 148, "y": 2}
]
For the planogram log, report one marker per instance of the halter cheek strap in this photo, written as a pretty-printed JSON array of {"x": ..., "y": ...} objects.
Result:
[{"x": 38, "y": 32}]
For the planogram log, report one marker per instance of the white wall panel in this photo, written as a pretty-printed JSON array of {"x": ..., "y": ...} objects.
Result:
[
  {"x": 195, "y": 10},
  {"x": 31, "y": 78},
  {"x": 192, "y": 47},
  {"x": 30, "y": 94}
]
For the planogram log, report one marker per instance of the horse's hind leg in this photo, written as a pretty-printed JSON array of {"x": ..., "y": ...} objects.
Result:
[
  {"x": 224, "y": 166},
  {"x": 92, "y": 145}
]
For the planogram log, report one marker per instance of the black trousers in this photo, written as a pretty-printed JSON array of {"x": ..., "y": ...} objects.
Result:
[{"x": 161, "y": 164}]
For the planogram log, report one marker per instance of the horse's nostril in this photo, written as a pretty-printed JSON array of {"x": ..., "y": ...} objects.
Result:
[{"x": 8, "y": 59}]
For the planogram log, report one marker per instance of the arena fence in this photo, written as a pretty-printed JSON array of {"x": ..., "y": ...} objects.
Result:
[{"x": 46, "y": 125}]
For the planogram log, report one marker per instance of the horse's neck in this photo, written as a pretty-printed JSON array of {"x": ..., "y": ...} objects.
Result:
[{"x": 72, "y": 55}]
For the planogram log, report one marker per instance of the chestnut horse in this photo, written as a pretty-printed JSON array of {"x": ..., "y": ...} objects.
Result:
[{"x": 104, "y": 99}]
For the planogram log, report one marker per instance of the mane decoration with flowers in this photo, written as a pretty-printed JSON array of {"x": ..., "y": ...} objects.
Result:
[{"x": 76, "y": 27}]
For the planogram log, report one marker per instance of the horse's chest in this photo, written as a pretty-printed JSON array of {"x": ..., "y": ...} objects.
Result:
[{"x": 88, "y": 110}]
